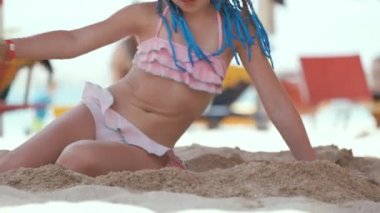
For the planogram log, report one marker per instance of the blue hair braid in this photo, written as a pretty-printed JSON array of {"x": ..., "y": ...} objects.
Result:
[
  {"x": 261, "y": 33},
  {"x": 237, "y": 16}
]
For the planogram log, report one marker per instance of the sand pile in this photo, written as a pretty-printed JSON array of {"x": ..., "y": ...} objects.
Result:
[{"x": 336, "y": 177}]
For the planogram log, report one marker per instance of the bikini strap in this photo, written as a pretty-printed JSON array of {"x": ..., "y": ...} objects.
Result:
[
  {"x": 159, "y": 25},
  {"x": 220, "y": 27}
]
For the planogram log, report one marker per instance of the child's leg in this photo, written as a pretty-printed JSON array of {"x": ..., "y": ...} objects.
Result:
[
  {"x": 46, "y": 146},
  {"x": 94, "y": 158}
]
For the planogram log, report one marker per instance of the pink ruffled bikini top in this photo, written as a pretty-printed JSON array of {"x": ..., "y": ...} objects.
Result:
[{"x": 155, "y": 56}]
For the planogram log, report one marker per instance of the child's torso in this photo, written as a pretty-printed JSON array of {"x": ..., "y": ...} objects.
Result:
[
  {"x": 164, "y": 102},
  {"x": 161, "y": 108},
  {"x": 155, "y": 55}
]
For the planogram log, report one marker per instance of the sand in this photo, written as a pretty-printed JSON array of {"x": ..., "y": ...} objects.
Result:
[{"x": 219, "y": 178}]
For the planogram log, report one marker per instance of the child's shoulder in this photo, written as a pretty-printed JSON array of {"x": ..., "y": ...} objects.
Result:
[
  {"x": 141, "y": 13},
  {"x": 145, "y": 9}
]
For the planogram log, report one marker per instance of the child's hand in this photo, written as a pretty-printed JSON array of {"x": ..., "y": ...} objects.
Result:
[{"x": 174, "y": 161}]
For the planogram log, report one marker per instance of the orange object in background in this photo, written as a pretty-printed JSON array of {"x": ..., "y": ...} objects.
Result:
[
  {"x": 8, "y": 73},
  {"x": 59, "y": 110},
  {"x": 335, "y": 77}
]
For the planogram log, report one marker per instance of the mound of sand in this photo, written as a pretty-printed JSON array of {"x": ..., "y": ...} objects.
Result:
[{"x": 336, "y": 177}]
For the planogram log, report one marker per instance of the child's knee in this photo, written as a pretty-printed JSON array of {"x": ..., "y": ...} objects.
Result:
[{"x": 77, "y": 157}]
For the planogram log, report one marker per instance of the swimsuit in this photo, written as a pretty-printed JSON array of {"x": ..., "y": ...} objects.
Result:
[
  {"x": 111, "y": 126},
  {"x": 155, "y": 56}
]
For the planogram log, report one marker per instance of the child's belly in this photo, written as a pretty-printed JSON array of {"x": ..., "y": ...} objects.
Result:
[{"x": 161, "y": 108}]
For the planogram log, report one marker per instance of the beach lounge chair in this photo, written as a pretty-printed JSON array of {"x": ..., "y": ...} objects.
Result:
[
  {"x": 235, "y": 83},
  {"x": 8, "y": 73},
  {"x": 335, "y": 77}
]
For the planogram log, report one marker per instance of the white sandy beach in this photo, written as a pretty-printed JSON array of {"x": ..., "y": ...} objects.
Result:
[
  {"x": 232, "y": 169},
  {"x": 258, "y": 176}
]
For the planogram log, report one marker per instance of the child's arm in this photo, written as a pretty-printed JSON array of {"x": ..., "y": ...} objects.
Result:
[
  {"x": 277, "y": 104},
  {"x": 69, "y": 44}
]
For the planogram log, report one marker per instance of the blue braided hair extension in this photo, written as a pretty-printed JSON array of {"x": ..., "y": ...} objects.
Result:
[{"x": 237, "y": 15}]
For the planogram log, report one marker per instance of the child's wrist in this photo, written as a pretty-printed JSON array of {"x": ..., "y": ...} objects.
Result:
[{"x": 10, "y": 50}]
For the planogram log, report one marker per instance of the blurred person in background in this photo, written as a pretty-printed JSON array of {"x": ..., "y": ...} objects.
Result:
[
  {"x": 42, "y": 99},
  {"x": 122, "y": 58}
]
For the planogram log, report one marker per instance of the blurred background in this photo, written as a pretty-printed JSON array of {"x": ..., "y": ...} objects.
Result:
[{"x": 299, "y": 29}]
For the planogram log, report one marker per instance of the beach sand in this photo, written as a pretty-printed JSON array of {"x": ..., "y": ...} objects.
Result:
[{"x": 228, "y": 179}]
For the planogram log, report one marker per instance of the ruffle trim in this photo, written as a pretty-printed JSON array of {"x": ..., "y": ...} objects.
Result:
[
  {"x": 116, "y": 122},
  {"x": 156, "y": 58}
]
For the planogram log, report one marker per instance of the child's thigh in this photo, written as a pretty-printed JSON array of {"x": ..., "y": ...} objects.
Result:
[
  {"x": 100, "y": 157},
  {"x": 46, "y": 146}
]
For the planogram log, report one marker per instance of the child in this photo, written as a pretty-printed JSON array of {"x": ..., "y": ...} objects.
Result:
[{"x": 184, "y": 49}]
